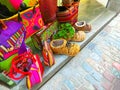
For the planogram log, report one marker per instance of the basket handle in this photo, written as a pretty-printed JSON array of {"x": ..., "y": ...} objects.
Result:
[
  {"x": 3, "y": 25},
  {"x": 20, "y": 18}
]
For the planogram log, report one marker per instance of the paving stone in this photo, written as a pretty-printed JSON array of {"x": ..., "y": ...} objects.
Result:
[
  {"x": 104, "y": 33},
  {"x": 87, "y": 67},
  {"x": 96, "y": 75},
  {"x": 96, "y": 65},
  {"x": 81, "y": 88},
  {"x": 116, "y": 85},
  {"x": 91, "y": 79},
  {"x": 91, "y": 46},
  {"x": 107, "y": 85},
  {"x": 77, "y": 82},
  {"x": 95, "y": 83},
  {"x": 95, "y": 56},
  {"x": 69, "y": 84},
  {"x": 64, "y": 87},
  {"x": 116, "y": 65},
  {"x": 115, "y": 72},
  {"x": 109, "y": 76}
]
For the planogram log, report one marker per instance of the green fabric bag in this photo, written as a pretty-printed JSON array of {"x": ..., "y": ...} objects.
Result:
[
  {"x": 12, "y": 36},
  {"x": 5, "y": 65}
]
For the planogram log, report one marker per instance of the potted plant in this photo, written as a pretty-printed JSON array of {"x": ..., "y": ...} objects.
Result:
[{"x": 65, "y": 30}]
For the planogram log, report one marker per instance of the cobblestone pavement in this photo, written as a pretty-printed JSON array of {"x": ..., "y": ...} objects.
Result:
[{"x": 92, "y": 68}]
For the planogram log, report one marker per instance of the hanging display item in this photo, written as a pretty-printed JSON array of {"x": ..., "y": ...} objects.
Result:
[
  {"x": 12, "y": 36},
  {"x": 48, "y": 10}
]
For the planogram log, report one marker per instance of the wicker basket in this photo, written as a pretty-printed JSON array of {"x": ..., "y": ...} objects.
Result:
[
  {"x": 59, "y": 46},
  {"x": 67, "y": 14}
]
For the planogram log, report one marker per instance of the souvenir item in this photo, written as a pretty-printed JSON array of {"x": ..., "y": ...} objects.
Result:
[
  {"x": 46, "y": 34},
  {"x": 67, "y": 14},
  {"x": 28, "y": 65},
  {"x": 31, "y": 18},
  {"x": 79, "y": 36},
  {"x": 82, "y": 26},
  {"x": 12, "y": 36},
  {"x": 61, "y": 46},
  {"x": 47, "y": 53}
]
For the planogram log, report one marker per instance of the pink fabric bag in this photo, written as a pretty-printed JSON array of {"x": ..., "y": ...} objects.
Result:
[{"x": 31, "y": 18}]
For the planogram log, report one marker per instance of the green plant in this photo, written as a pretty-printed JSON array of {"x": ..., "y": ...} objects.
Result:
[{"x": 65, "y": 30}]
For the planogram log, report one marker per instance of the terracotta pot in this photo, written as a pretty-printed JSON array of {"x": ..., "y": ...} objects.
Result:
[
  {"x": 82, "y": 26},
  {"x": 48, "y": 10}
]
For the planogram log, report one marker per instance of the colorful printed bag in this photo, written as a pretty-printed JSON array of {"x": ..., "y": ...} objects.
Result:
[
  {"x": 12, "y": 36},
  {"x": 28, "y": 65},
  {"x": 31, "y": 18},
  {"x": 65, "y": 14},
  {"x": 47, "y": 53}
]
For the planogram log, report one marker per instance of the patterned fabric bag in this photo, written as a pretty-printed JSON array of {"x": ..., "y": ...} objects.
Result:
[
  {"x": 12, "y": 36},
  {"x": 25, "y": 64},
  {"x": 65, "y": 14},
  {"x": 28, "y": 65},
  {"x": 31, "y": 18},
  {"x": 47, "y": 53}
]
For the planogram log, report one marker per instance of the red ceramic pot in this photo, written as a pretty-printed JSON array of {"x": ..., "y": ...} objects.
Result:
[{"x": 48, "y": 10}]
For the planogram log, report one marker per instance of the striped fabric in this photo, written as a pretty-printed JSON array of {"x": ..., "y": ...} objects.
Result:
[{"x": 10, "y": 44}]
